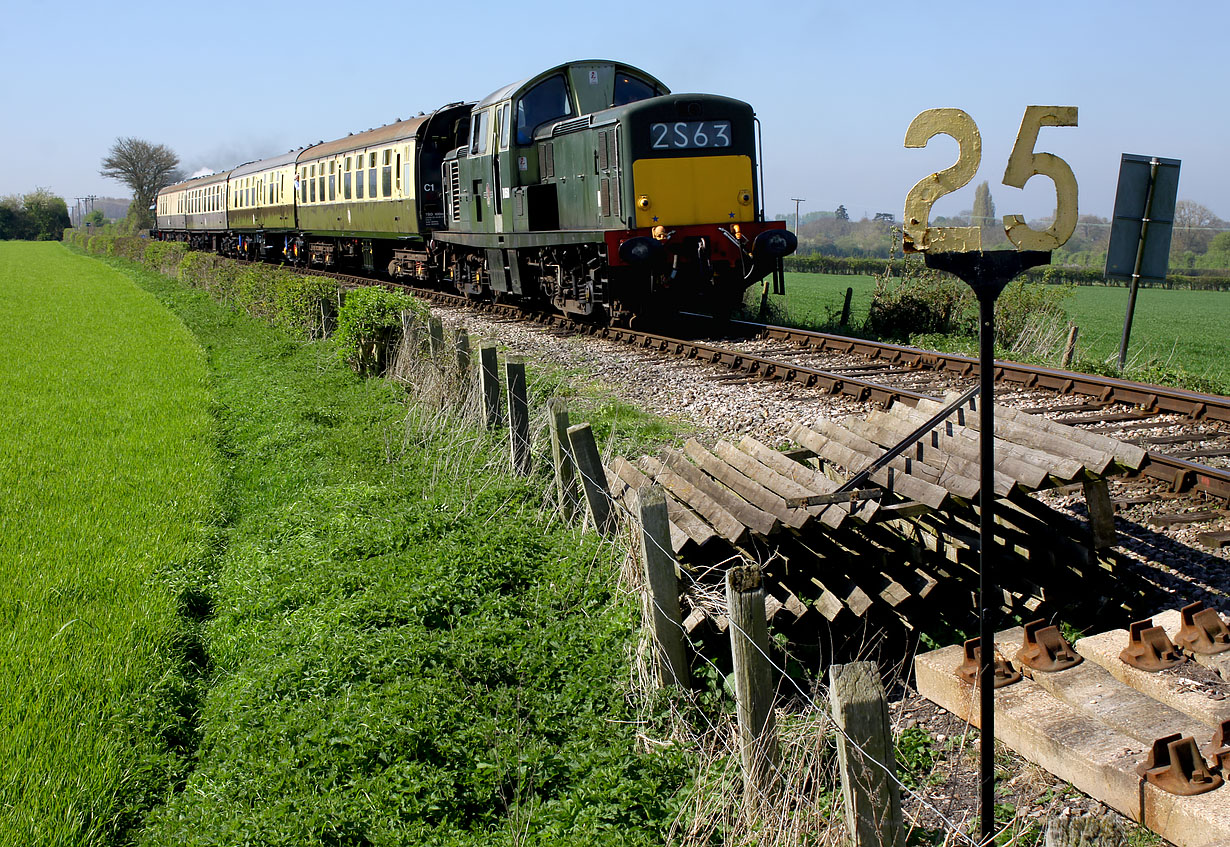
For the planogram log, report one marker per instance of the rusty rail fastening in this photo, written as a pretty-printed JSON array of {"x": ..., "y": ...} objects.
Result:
[
  {"x": 1202, "y": 631},
  {"x": 1046, "y": 650},
  {"x": 1174, "y": 764},
  {"x": 1149, "y": 648}
]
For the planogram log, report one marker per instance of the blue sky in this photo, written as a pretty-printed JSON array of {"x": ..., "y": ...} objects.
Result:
[{"x": 835, "y": 84}]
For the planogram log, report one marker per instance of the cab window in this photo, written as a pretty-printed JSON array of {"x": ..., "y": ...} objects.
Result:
[
  {"x": 478, "y": 133},
  {"x": 546, "y": 101},
  {"x": 629, "y": 89}
]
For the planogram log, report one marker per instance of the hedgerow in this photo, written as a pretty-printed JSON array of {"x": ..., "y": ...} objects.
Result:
[
  {"x": 304, "y": 306},
  {"x": 369, "y": 325}
]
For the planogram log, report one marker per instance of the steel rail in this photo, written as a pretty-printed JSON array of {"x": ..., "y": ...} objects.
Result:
[
  {"x": 1153, "y": 398},
  {"x": 736, "y": 360}
]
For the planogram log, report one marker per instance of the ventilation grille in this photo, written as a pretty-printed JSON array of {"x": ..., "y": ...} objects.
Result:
[
  {"x": 574, "y": 125},
  {"x": 454, "y": 190}
]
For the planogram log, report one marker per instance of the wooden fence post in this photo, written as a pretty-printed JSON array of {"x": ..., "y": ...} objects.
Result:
[
  {"x": 868, "y": 777},
  {"x": 518, "y": 416},
  {"x": 565, "y": 471},
  {"x": 754, "y": 690},
  {"x": 461, "y": 343},
  {"x": 490, "y": 386},
  {"x": 435, "y": 336},
  {"x": 593, "y": 477},
  {"x": 662, "y": 589},
  {"x": 1069, "y": 351},
  {"x": 845, "y": 309}
]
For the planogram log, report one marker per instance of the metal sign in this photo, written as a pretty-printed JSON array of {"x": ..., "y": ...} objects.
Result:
[{"x": 1144, "y": 218}]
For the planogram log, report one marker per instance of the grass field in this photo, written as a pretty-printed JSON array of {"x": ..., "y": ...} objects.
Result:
[
  {"x": 109, "y": 477},
  {"x": 1173, "y": 330},
  {"x": 404, "y": 648}
]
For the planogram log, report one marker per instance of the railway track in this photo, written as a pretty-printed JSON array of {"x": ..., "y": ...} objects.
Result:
[
  {"x": 1186, "y": 433},
  {"x": 1190, "y": 455}
]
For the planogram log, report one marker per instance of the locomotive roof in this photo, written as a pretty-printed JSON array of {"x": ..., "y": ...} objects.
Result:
[{"x": 510, "y": 90}]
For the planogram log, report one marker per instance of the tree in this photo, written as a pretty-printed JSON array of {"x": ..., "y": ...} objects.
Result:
[
  {"x": 1194, "y": 227},
  {"x": 145, "y": 168},
  {"x": 96, "y": 218},
  {"x": 841, "y": 214},
  {"x": 47, "y": 215},
  {"x": 37, "y": 216},
  {"x": 984, "y": 206},
  {"x": 11, "y": 218},
  {"x": 1218, "y": 255}
]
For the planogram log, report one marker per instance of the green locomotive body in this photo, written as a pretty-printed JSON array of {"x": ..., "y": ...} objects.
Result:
[{"x": 591, "y": 187}]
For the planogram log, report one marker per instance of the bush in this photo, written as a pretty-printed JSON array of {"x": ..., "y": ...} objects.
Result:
[
  {"x": 1026, "y": 309},
  {"x": 927, "y": 302},
  {"x": 164, "y": 257},
  {"x": 369, "y": 327},
  {"x": 921, "y": 302}
]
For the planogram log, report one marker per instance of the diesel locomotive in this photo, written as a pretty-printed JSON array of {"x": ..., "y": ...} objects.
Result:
[{"x": 589, "y": 188}]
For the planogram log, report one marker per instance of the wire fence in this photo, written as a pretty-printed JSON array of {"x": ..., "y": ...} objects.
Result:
[{"x": 466, "y": 391}]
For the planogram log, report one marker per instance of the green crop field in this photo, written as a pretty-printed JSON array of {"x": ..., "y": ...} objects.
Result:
[
  {"x": 1172, "y": 330},
  {"x": 109, "y": 477},
  {"x": 1175, "y": 328}
]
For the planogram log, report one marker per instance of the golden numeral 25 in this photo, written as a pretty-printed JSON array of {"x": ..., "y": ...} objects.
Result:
[{"x": 1023, "y": 164}]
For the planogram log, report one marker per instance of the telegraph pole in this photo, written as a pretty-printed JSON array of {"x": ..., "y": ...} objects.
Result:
[{"x": 797, "y": 201}]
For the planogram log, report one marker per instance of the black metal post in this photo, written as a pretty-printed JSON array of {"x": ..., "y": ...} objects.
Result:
[
  {"x": 986, "y": 565},
  {"x": 1140, "y": 252},
  {"x": 987, "y": 274}
]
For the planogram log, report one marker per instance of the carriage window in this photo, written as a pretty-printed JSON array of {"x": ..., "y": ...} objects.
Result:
[
  {"x": 371, "y": 183},
  {"x": 629, "y": 89},
  {"x": 505, "y": 124},
  {"x": 358, "y": 180},
  {"x": 546, "y": 101},
  {"x": 346, "y": 185}
]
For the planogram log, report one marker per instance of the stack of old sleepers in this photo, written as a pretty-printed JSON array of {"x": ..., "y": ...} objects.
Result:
[{"x": 917, "y": 539}]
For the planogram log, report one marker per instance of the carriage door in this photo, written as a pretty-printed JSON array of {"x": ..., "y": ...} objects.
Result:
[{"x": 499, "y": 162}]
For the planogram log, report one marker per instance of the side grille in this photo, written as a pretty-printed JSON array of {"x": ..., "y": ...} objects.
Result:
[
  {"x": 573, "y": 125},
  {"x": 546, "y": 160},
  {"x": 454, "y": 190}
]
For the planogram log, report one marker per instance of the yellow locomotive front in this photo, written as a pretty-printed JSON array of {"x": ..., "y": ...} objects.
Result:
[{"x": 696, "y": 235}]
